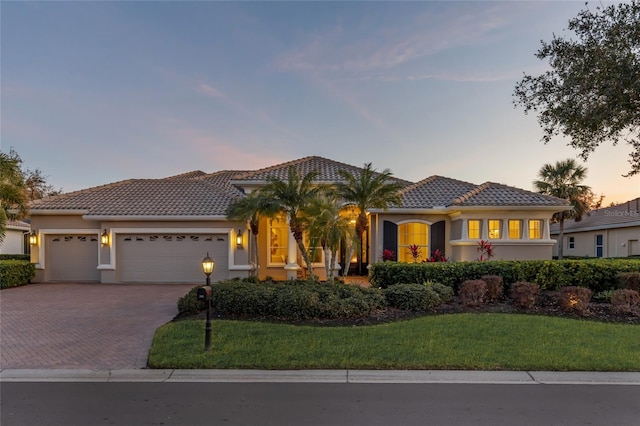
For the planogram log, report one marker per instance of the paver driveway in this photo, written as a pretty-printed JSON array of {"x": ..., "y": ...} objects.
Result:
[{"x": 97, "y": 326}]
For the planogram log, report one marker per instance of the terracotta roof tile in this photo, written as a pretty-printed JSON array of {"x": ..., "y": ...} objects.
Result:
[
  {"x": 143, "y": 197},
  {"x": 433, "y": 191},
  {"x": 495, "y": 194},
  {"x": 620, "y": 216}
]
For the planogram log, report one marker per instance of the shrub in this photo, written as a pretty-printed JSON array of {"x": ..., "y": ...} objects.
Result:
[
  {"x": 473, "y": 292},
  {"x": 189, "y": 303},
  {"x": 6, "y": 256},
  {"x": 524, "y": 294},
  {"x": 495, "y": 286},
  {"x": 629, "y": 280},
  {"x": 412, "y": 297},
  {"x": 596, "y": 274},
  {"x": 625, "y": 300},
  {"x": 603, "y": 296},
  {"x": 14, "y": 273},
  {"x": 445, "y": 292},
  {"x": 575, "y": 299}
]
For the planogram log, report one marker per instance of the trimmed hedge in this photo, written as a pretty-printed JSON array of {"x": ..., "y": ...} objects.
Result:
[
  {"x": 412, "y": 297},
  {"x": 596, "y": 274},
  {"x": 15, "y": 257},
  {"x": 291, "y": 300},
  {"x": 14, "y": 273}
]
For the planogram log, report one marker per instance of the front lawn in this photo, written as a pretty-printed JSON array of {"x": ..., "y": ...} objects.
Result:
[{"x": 457, "y": 341}]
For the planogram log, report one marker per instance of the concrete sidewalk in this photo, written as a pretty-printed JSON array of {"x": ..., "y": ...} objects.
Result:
[{"x": 322, "y": 376}]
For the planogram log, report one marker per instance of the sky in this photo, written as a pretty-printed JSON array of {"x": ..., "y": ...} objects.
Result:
[{"x": 98, "y": 92}]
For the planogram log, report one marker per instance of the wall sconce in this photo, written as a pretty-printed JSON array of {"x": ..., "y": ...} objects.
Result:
[
  {"x": 33, "y": 238},
  {"x": 239, "y": 238},
  {"x": 104, "y": 238}
]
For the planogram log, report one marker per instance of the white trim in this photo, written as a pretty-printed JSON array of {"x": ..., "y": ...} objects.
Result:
[
  {"x": 505, "y": 242},
  {"x": 426, "y": 222}
]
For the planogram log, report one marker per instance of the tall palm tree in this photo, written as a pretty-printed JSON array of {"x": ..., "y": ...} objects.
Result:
[
  {"x": 367, "y": 190},
  {"x": 250, "y": 209},
  {"x": 291, "y": 197},
  {"x": 13, "y": 199},
  {"x": 564, "y": 180},
  {"x": 327, "y": 225}
]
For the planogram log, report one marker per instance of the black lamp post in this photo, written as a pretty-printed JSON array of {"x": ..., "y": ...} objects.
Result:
[{"x": 207, "y": 267}]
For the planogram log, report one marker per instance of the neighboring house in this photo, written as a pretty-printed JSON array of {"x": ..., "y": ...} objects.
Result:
[
  {"x": 159, "y": 230},
  {"x": 15, "y": 237},
  {"x": 607, "y": 232}
]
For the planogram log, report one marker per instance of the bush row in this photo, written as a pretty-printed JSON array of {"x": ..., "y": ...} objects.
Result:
[
  {"x": 15, "y": 272},
  {"x": 596, "y": 274},
  {"x": 294, "y": 300},
  {"x": 5, "y": 256}
]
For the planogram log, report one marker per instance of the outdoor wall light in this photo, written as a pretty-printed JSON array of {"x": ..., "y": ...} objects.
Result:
[
  {"x": 207, "y": 266},
  {"x": 239, "y": 238},
  {"x": 104, "y": 238},
  {"x": 33, "y": 238}
]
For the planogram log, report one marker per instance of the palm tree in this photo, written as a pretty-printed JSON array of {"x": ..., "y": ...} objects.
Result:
[
  {"x": 291, "y": 197},
  {"x": 564, "y": 180},
  {"x": 370, "y": 189},
  {"x": 250, "y": 209},
  {"x": 13, "y": 199},
  {"x": 327, "y": 225}
]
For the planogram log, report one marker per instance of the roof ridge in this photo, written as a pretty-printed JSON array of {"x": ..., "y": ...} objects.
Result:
[
  {"x": 196, "y": 173},
  {"x": 467, "y": 195}
]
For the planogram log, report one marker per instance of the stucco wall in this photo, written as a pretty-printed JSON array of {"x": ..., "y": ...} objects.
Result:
[
  {"x": 505, "y": 251},
  {"x": 13, "y": 242},
  {"x": 619, "y": 242}
]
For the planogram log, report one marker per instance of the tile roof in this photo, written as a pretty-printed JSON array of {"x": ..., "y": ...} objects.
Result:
[
  {"x": 143, "y": 197},
  {"x": 433, "y": 191},
  {"x": 197, "y": 193},
  {"x": 328, "y": 170},
  {"x": 18, "y": 224},
  {"x": 620, "y": 216},
  {"x": 495, "y": 194}
]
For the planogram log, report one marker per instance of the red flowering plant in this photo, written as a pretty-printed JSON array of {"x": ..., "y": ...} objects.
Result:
[
  {"x": 437, "y": 256},
  {"x": 415, "y": 252},
  {"x": 388, "y": 255},
  {"x": 486, "y": 250}
]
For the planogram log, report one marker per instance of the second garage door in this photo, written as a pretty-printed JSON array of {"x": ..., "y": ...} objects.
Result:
[{"x": 170, "y": 258}]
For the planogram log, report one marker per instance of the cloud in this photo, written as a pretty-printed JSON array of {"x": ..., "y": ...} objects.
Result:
[{"x": 209, "y": 91}]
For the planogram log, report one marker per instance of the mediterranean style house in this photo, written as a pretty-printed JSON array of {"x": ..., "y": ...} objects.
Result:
[
  {"x": 607, "y": 232},
  {"x": 159, "y": 230}
]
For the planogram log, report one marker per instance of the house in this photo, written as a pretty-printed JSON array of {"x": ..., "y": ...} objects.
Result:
[
  {"x": 15, "y": 237},
  {"x": 607, "y": 232},
  {"x": 159, "y": 230}
]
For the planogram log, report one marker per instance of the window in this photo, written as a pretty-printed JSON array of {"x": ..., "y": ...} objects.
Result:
[
  {"x": 599, "y": 245},
  {"x": 494, "y": 228},
  {"x": 535, "y": 229},
  {"x": 278, "y": 239},
  {"x": 571, "y": 242},
  {"x": 474, "y": 229},
  {"x": 514, "y": 230},
  {"x": 413, "y": 234}
]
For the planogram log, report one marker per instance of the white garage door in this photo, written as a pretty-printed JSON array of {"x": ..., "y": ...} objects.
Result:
[
  {"x": 72, "y": 257},
  {"x": 170, "y": 258}
]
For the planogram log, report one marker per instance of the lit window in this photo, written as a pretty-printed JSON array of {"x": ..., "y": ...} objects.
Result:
[
  {"x": 514, "y": 230},
  {"x": 535, "y": 229},
  {"x": 279, "y": 237},
  {"x": 494, "y": 228},
  {"x": 413, "y": 242},
  {"x": 474, "y": 229}
]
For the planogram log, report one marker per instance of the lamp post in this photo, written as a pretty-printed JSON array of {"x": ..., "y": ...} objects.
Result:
[{"x": 207, "y": 267}]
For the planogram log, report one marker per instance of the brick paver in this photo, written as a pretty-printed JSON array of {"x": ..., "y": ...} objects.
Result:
[{"x": 95, "y": 326}]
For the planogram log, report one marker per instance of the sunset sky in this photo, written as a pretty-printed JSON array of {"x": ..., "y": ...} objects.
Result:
[{"x": 97, "y": 92}]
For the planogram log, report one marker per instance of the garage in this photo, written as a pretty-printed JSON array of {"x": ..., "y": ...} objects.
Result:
[
  {"x": 73, "y": 258},
  {"x": 170, "y": 258}
]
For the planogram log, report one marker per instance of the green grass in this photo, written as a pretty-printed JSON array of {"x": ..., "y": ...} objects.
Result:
[{"x": 458, "y": 341}]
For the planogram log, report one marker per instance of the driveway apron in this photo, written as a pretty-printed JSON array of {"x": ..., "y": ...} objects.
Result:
[{"x": 95, "y": 326}]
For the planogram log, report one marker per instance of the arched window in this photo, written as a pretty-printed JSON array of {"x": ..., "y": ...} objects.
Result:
[{"x": 413, "y": 242}]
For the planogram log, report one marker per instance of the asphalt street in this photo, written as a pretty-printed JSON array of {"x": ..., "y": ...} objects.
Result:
[{"x": 73, "y": 403}]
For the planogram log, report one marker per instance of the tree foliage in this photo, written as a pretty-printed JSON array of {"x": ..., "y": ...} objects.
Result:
[
  {"x": 564, "y": 180},
  {"x": 591, "y": 93}
]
